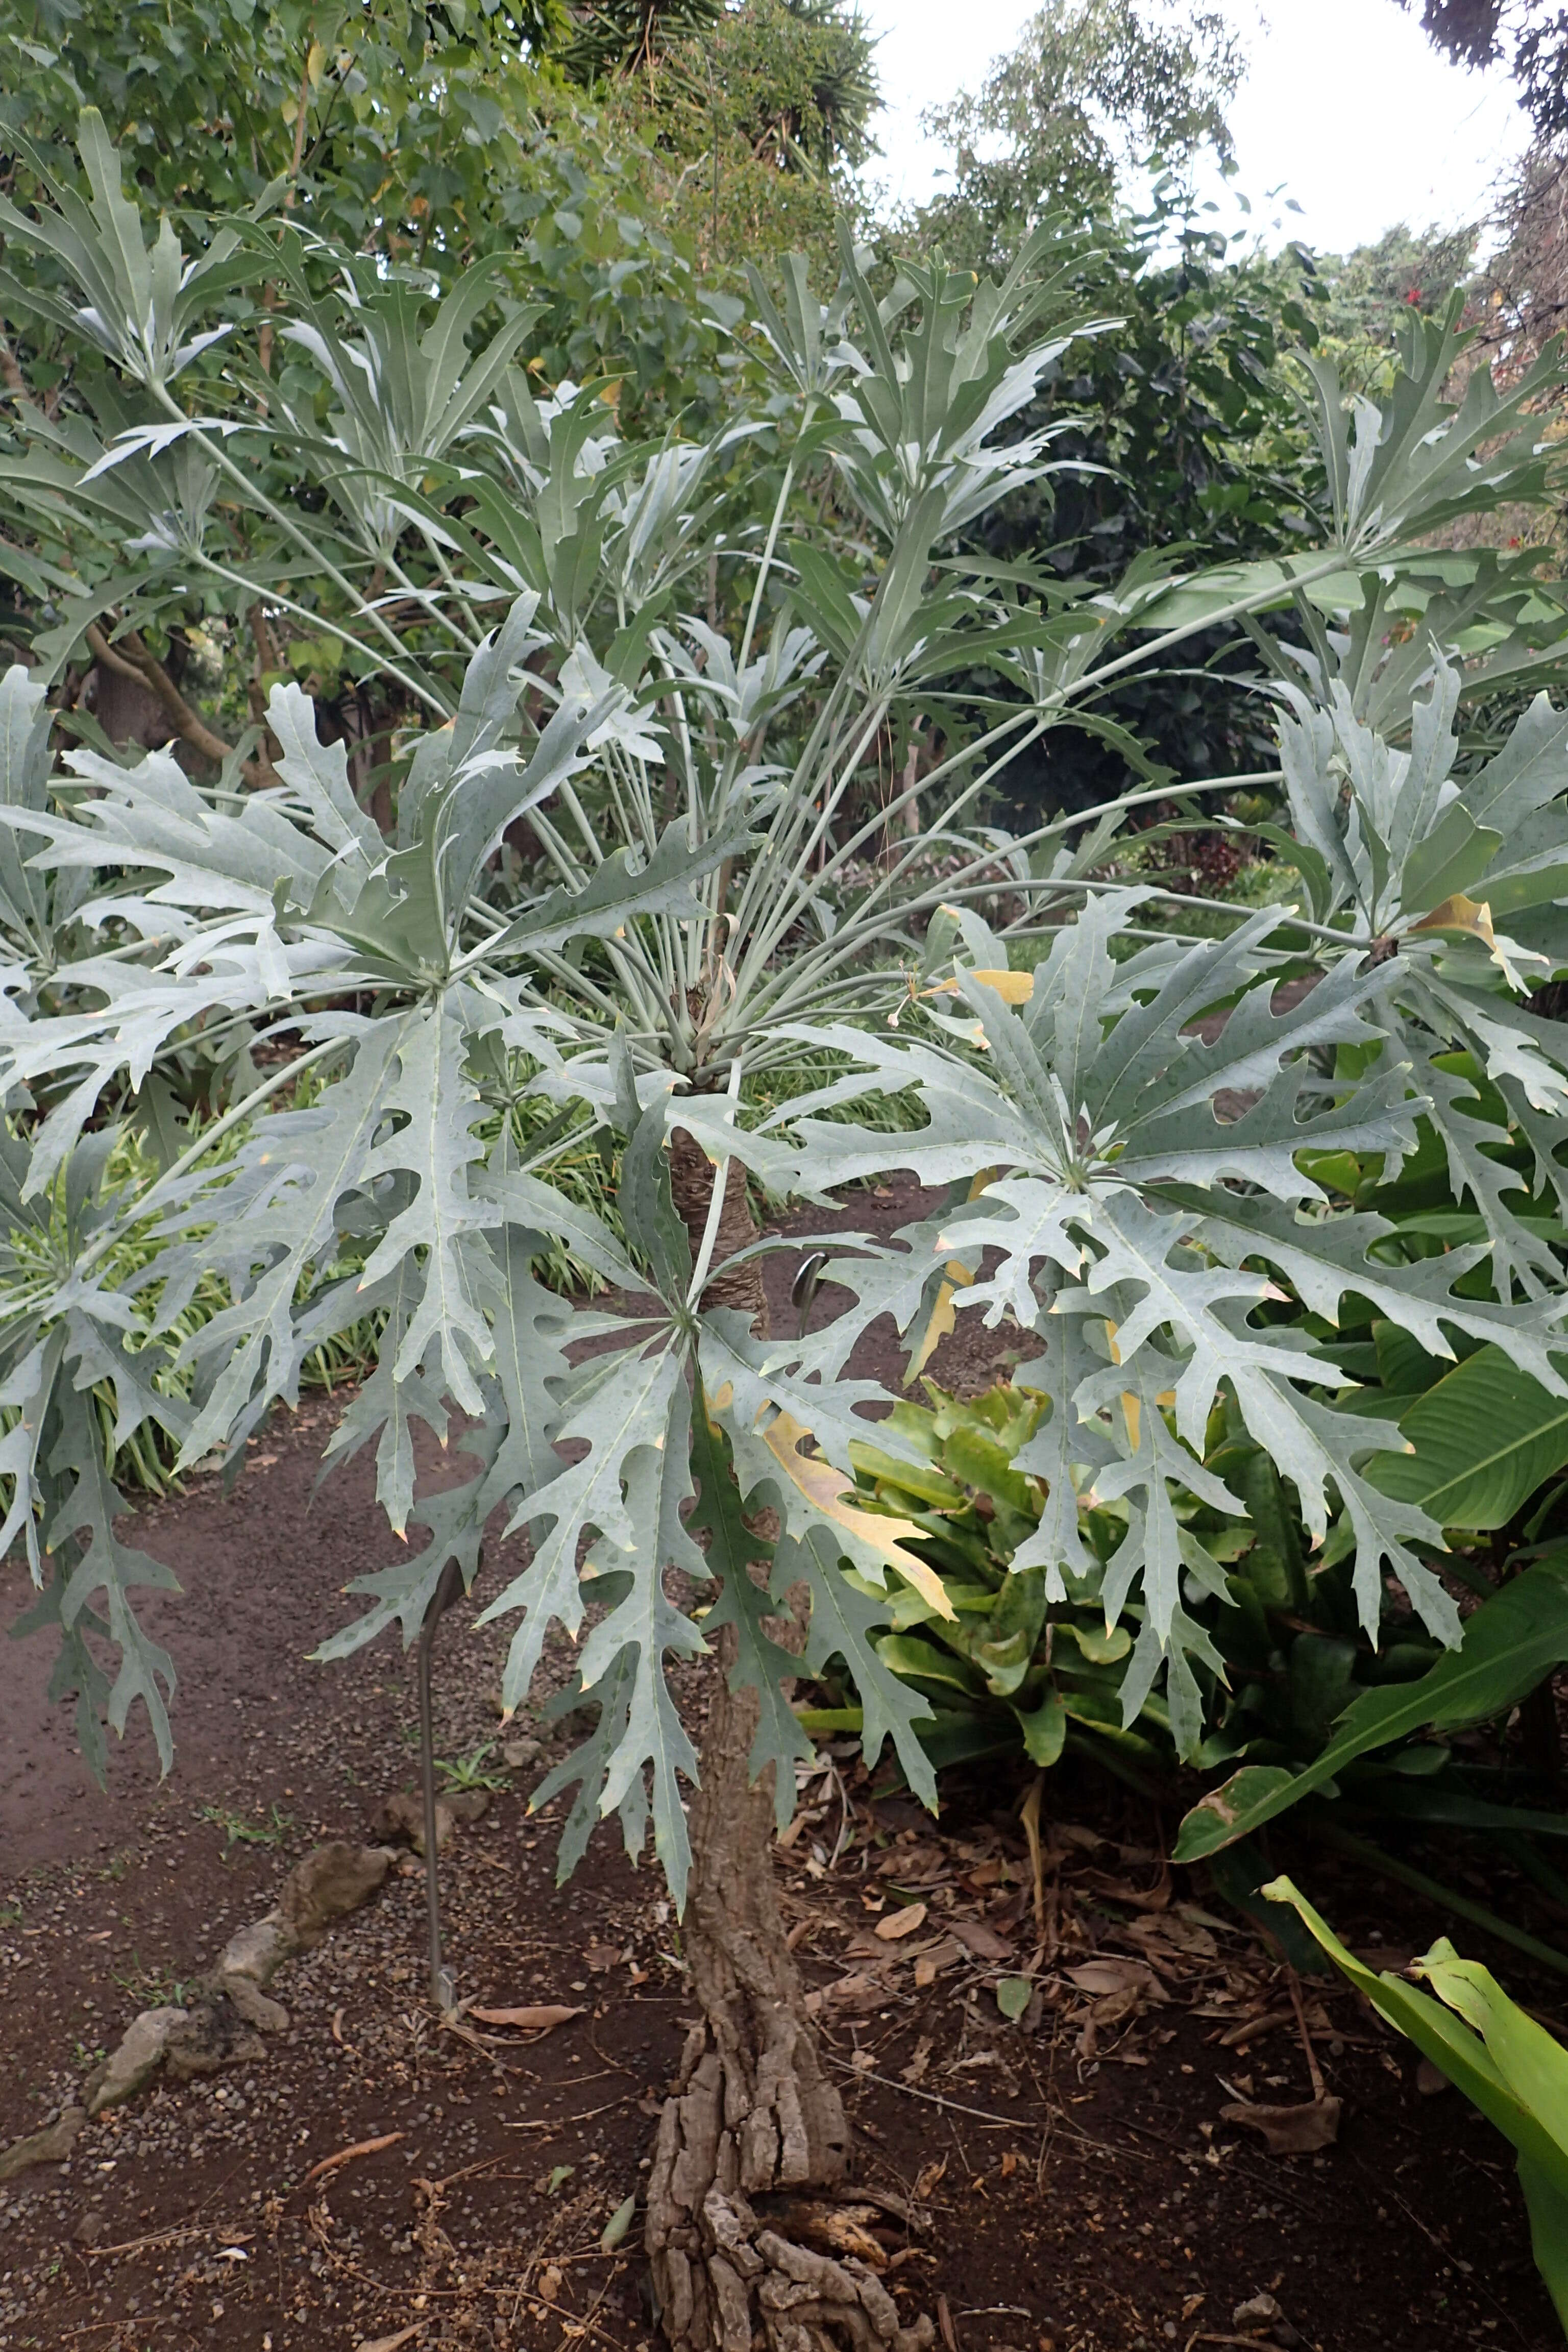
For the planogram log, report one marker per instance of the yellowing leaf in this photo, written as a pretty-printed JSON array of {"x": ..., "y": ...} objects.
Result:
[
  {"x": 1012, "y": 987},
  {"x": 1473, "y": 917},
  {"x": 943, "y": 1316},
  {"x": 1460, "y": 914},
  {"x": 939, "y": 1324},
  {"x": 823, "y": 1488}
]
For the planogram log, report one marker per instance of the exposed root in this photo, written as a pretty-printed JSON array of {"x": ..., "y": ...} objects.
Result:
[{"x": 736, "y": 2283}]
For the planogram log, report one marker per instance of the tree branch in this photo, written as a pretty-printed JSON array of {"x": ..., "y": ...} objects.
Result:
[{"x": 132, "y": 659}]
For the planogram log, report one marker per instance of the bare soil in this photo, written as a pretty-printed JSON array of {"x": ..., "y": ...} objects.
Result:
[{"x": 1067, "y": 2182}]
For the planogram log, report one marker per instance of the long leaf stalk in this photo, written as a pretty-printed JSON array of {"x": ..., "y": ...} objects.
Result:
[{"x": 216, "y": 455}]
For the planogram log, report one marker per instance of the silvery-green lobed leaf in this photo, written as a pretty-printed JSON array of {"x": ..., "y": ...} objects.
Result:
[
  {"x": 622, "y": 1407},
  {"x": 26, "y": 1392},
  {"x": 586, "y": 1767},
  {"x": 89, "y": 1559},
  {"x": 1145, "y": 1460},
  {"x": 770, "y": 1410},
  {"x": 1183, "y": 1638},
  {"x": 404, "y": 1591},
  {"x": 25, "y": 723},
  {"x": 1064, "y": 1443},
  {"x": 1323, "y": 1258},
  {"x": 1511, "y": 1043},
  {"x": 632, "y": 1412}
]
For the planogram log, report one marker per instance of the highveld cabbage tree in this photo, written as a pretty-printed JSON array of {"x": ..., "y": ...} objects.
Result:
[{"x": 710, "y": 904}]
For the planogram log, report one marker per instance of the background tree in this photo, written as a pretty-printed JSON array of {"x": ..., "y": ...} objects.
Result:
[
  {"x": 1529, "y": 36},
  {"x": 1093, "y": 87},
  {"x": 752, "y": 118},
  {"x": 384, "y": 124}
]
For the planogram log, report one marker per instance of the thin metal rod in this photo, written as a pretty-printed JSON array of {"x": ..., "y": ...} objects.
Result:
[
  {"x": 443, "y": 1987},
  {"x": 440, "y": 1983}
]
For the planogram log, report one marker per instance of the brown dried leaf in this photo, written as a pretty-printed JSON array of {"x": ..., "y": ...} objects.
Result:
[
  {"x": 1175, "y": 1935},
  {"x": 862, "y": 1990},
  {"x": 1122, "y": 1890},
  {"x": 920, "y": 2060},
  {"x": 982, "y": 1941},
  {"x": 898, "y": 1924},
  {"x": 390, "y": 2343},
  {"x": 1105, "y": 1979},
  {"x": 541, "y": 2019},
  {"x": 1290, "y": 2131}
]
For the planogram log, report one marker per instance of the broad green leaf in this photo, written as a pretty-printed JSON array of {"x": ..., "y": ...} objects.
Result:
[
  {"x": 1486, "y": 1436},
  {"x": 1505, "y": 2063},
  {"x": 1510, "y": 1644},
  {"x": 1044, "y": 1730}
]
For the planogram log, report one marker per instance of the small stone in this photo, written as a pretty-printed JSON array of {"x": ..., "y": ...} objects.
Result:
[
  {"x": 50, "y": 2145},
  {"x": 401, "y": 1821},
  {"x": 1430, "y": 2079},
  {"x": 89, "y": 2229},
  {"x": 464, "y": 1805},
  {"x": 520, "y": 1753},
  {"x": 133, "y": 2066},
  {"x": 257, "y": 1952},
  {"x": 213, "y": 2035},
  {"x": 267, "y": 2015},
  {"x": 336, "y": 1879},
  {"x": 1258, "y": 2311}
]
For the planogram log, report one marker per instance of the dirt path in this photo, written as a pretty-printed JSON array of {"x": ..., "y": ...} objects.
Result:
[{"x": 1071, "y": 2185}]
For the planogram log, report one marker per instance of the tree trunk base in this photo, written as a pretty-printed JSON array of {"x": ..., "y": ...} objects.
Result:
[
  {"x": 756, "y": 2125},
  {"x": 729, "y": 2274}
]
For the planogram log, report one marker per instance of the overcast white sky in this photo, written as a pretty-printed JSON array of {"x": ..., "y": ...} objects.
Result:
[{"x": 1346, "y": 108}]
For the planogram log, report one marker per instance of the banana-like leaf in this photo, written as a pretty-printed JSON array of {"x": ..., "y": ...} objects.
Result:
[
  {"x": 1510, "y": 1644},
  {"x": 1505, "y": 2063},
  {"x": 1486, "y": 1437}
]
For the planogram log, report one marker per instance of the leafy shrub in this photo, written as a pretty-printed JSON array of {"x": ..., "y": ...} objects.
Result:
[{"x": 1286, "y": 1651}]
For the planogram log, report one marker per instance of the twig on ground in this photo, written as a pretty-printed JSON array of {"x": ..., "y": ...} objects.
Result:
[
  {"x": 342, "y": 2156},
  {"x": 171, "y": 2238},
  {"x": 1313, "y": 2069}
]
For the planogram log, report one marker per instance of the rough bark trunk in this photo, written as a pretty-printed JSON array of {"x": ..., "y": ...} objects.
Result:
[{"x": 754, "y": 2143}]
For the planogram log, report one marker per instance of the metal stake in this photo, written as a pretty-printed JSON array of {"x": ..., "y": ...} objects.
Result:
[{"x": 443, "y": 1987}]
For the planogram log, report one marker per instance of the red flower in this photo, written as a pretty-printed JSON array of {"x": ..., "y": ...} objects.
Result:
[{"x": 1414, "y": 296}]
